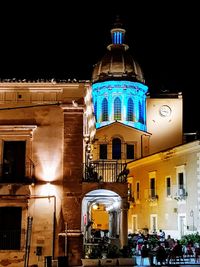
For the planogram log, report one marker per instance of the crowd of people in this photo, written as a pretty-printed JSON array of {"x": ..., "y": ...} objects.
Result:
[{"x": 163, "y": 250}]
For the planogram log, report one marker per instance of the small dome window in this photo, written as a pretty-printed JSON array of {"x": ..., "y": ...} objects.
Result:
[{"x": 117, "y": 37}]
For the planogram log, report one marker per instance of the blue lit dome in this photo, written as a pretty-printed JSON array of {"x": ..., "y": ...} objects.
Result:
[{"x": 118, "y": 86}]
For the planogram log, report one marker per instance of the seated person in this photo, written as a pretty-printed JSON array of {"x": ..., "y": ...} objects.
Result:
[
  {"x": 160, "y": 253},
  {"x": 169, "y": 242},
  {"x": 162, "y": 235},
  {"x": 197, "y": 253},
  {"x": 177, "y": 251},
  {"x": 189, "y": 249},
  {"x": 145, "y": 252}
]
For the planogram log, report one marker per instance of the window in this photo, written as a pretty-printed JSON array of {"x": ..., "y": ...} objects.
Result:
[
  {"x": 181, "y": 188},
  {"x": 14, "y": 154},
  {"x": 105, "y": 110},
  {"x": 141, "y": 119},
  {"x": 129, "y": 151},
  {"x": 152, "y": 188},
  {"x": 103, "y": 151},
  {"x": 130, "y": 110},
  {"x": 116, "y": 148},
  {"x": 117, "y": 38},
  {"x": 10, "y": 228},
  {"x": 117, "y": 109},
  {"x": 17, "y": 165},
  {"x": 137, "y": 190},
  {"x": 134, "y": 223},
  {"x": 95, "y": 110},
  {"x": 130, "y": 197},
  {"x": 168, "y": 187},
  {"x": 180, "y": 180},
  {"x": 153, "y": 222}
]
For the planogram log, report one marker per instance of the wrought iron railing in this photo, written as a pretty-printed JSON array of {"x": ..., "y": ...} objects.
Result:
[
  {"x": 11, "y": 174},
  {"x": 105, "y": 171},
  {"x": 179, "y": 192},
  {"x": 150, "y": 195}
]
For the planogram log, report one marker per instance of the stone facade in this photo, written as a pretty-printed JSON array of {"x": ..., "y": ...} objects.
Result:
[{"x": 49, "y": 119}]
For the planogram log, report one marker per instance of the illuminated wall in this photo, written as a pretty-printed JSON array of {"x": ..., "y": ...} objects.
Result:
[
  {"x": 122, "y": 101},
  {"x": 175, "y": 211},
  {"x": 165, "y": 122}
]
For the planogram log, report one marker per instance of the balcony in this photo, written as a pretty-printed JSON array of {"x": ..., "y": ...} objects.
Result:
[
  {"x": 150, "y": 195},
  {"x": 10, "y": 173},
  {"x": 179, "y": 193},
  {"x": 105, "y": 172}
]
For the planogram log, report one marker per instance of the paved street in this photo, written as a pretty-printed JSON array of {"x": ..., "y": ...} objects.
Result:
[{"x": 187, "y": 262}]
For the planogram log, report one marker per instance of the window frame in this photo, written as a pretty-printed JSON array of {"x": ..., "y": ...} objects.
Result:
[
  {"x": 133, "y": 145},
  {"x": 12, "y": 240},
  {"x": 100, "y": 146},
  {"x": 114, "y": 149},
  {"x": 104, "y": 109},
  {"x": 24, "y": 133},
  {"x": 117, "y": 109}
]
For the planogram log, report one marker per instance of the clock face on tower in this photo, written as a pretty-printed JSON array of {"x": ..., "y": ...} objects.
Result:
[{"x": 165, "y": 111}]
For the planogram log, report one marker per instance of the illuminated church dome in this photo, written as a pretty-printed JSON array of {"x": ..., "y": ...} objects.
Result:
[
  {"x": 117, "y": 63},
  {"x": 118, "y": 86}
]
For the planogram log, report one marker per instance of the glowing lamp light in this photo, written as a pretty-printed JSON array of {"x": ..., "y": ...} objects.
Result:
[
  {"x": 48, "y": 189},
  {"x": 95, "y": 206}
]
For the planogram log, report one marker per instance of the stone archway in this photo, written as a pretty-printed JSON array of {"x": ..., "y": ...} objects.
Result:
[{"x": 103, "y": 217}]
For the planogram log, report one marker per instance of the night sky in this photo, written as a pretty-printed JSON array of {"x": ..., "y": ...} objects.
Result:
[{"x": 64, "y": 41}]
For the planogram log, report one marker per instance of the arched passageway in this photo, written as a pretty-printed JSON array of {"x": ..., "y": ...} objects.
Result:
[{"x": 104, "y": 220}]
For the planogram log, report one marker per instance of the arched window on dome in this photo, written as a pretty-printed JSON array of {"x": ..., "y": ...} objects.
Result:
[
  {"x": 95, "y": 110},
  {"x": 141, "y": 118},
  {"x": 105, "y": 110},
  {"x": 130, "y": 110},
  {"x": 116, "y": 148},
  {"x": 117, "y": 109},
  {"x": 117, "y": 37}
]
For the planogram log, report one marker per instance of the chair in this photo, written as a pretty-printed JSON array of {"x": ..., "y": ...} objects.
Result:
[{"x": 197, "y": 254}]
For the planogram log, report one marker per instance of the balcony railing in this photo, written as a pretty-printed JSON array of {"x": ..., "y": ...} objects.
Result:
[
  {"x": 151, "y": 195},
  {"x": 105, "y": 172},
  {"x": 22, "y": 175},
  {"x": 179, "y": 193}
]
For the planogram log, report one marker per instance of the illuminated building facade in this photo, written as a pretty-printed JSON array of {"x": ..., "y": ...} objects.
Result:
[
  {"x": 62, "y": 172},
  {"x": 165, "y": 187},
  {"x": 146, "y": 131},
  {"x": 41, "y": 138}
]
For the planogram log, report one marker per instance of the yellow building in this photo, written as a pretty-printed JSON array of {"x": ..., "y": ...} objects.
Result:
[{"x": 165, "y": 187}]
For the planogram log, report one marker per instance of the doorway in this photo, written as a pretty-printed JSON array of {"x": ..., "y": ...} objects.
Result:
[{"x": 101, "y": 215}]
